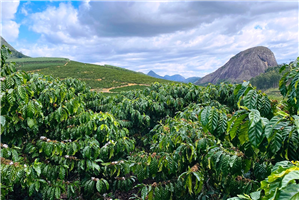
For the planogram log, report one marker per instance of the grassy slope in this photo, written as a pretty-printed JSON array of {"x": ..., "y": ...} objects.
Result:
[
  {"x": 274, "y": 93},
  {"x": 36, "y": 64},
  {"x": 268, "y": 82},
  {"x": 96, "y": 76}
]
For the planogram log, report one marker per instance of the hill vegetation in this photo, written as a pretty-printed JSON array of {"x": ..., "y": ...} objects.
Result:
[
  {"x": 168, "y": 141},
  {"x": 269, "y": 82},
  {"x": 269, "y": 79},
  {"x": 36, "y": 64},
  {"x": 95, "y": 76},
  {"x": 14, "y": 53},
  {"x": 98, "y": 77}
]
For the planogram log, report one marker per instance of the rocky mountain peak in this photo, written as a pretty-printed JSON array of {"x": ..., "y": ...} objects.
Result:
[{"x": 243, "y": 66}]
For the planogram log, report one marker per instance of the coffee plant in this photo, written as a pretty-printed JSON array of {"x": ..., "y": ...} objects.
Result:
[{"x": 59, "y": 140}]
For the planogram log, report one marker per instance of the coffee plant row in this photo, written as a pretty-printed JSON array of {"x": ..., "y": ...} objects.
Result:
[{"x": 59, "y": 140}]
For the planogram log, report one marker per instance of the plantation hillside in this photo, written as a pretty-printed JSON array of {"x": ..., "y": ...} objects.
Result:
[
  {"x": 169, "y": 141},
  {"x": 96, "y": 76}
]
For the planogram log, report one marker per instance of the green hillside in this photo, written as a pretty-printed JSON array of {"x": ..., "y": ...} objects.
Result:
[
  {"x": 36, "y": 64},
  {"x": 14, "y": 53},
  {"x": 96, "y": 76},
  {"x": 269, "y": 82}
]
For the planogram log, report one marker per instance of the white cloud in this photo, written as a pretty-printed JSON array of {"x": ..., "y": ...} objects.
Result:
[
  {"x": 202, "y": 47},
  {"x": 58, "y": 25},
  {"x": 24, "y": 9},
  {"x": 9, "y": 8},
  {"x": 10, "y": 29}
]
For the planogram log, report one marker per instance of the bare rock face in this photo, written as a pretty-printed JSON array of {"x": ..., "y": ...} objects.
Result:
[{"x": 243, "y": 66}]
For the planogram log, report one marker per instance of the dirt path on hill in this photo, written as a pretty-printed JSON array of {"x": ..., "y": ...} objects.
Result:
[
  {"x": 67, "y": 62},
  {"x": 107, "y": 90}
]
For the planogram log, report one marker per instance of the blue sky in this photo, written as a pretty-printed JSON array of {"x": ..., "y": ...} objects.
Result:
[{"x": 191, "y": 38}]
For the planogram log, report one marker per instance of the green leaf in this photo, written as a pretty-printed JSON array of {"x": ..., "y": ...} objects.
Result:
[
  {"x": 291, "y": 192},
  {"x": 250, "y": 99},
  {"x": 151, "y": 195},
  {"x": 222, "y": 123},
  {"x": 266, "y": 106},
  {"x": 213, "y": 120},
  {"x": 90, "y": 186},
  {"x": 216, "y": 157},
  {"x": 293, "y": 175},
  {"x": 48, "y": 148},
  {"x": 22, "y": 92},
  {"x": 237, "y": 122},
  {"x": 189, "y": 182},
  {"x": 225, "y": 159},
  {"x": 237, "y": 165},
  {"x": 255, "y": 134},
  {"x": 37, "y": 185},
  {"x": 243, "y": 133},
  {"x": 205, "y": 115},
  {"x": 144, "y": 192},
  {"x": 153, "y": 166},
  {"x": 99, "y": 185},
  {"x": 72, "y": 189},
  {"x": 282, "y": 68},
  {"x": 30, "y": 122},
  {"x": 37, "y": 168},
  {"x": 95, "y": 166},
  {"x": 247, "y": 165},
  {"x": 15, "y": 155},
  {"x": 30, "y": 109},
  {"x": 61, "y": 173},
  {"x": 296, "y": 122},
  {"x": 57, "y": 192},
  {"x": 140, "y": 173},
  {"x": 254, "y": 117},
  {"x": 232, "y": 160},
  {"x": 106, "y": 183},
  {"x": 241, "y": 91},
  {"x": 87, "y": 152},
  {"x": 180, "y": 176},
  {"x": 276, "y": 142},
  {"x": 198, "y": 176},
  {"x": 31, "y": 189},
  {"x": 2, "y": 120},
  {"x": 271, "y": 125}
]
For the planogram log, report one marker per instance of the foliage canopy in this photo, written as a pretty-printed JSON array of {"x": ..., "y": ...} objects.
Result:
[{"x": 170, "y": 141}]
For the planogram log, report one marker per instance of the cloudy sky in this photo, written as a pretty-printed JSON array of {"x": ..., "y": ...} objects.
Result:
[{"x": 191, "y": 38}]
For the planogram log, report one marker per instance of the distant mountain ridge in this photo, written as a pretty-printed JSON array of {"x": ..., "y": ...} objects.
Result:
[
  {"x": 243, "y": 66},
  {"x": 14, "y": 52},
  {"x": 175, "y": 77}
]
